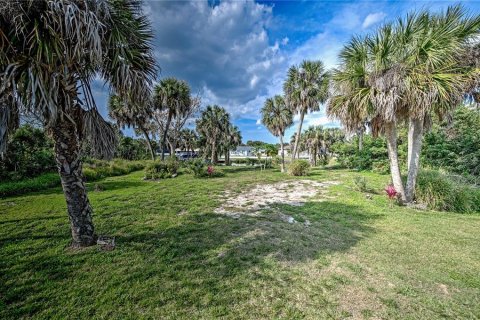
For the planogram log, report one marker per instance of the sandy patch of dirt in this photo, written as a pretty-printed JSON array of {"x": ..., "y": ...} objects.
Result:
[{"x": 294, "y": 193}]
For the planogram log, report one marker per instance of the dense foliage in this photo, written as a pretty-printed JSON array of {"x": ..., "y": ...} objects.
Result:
[
  {"x": 441, "y": 191},
  {"x": 30, "y": 153},
  {"x": 456, "y": 147},
  {"x": 167, "y": 168}
]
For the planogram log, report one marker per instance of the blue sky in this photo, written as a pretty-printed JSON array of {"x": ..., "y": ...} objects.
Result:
[{"x": 236, "y": 53}]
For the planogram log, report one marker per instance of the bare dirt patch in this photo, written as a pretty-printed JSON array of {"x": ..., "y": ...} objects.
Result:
[{"x": 263, "y": 196}]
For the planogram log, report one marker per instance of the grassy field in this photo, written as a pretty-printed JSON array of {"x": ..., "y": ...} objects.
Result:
[{"x": 178, "y": 259}]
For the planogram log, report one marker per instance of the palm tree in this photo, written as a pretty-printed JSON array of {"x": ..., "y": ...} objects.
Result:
[
  {"x": 277, "y": 117},
  {"x": 232, "y": 139},
  {"x": 137, "y": 117},
  {"x": 188, "y": 139},
  {"x": 173, "y": 96},
  {"x": 213, "y": 121},
  {"x": 51, "y": 51},
  {"x": 305, "y": 89},
  {"x": 406, "y": 71},
  {"x": 435, "y": 79}
]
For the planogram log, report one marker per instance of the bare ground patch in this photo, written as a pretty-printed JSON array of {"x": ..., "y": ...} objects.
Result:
[{"x": 263, "y": 196}]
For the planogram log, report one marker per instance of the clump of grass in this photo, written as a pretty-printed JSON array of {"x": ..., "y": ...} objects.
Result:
[
  {"x": 360, "y": 183},
  {"x": 299, "y": 168},
  {"x": 439, "y": 191}
]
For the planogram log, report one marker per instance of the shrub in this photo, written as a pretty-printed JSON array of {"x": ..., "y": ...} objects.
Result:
[
  {"x": 299, "y": 168},
  {"x": 440, "y": 191},
  {"x": 172, "y": 165},
  {"x": 162, "y": 169},
  {"x": 200, "y": 169}
]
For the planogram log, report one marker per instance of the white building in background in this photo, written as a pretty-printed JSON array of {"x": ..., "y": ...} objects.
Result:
[
  {"x": 288, "y": 152},
  {"x": 242, "y": 151}
]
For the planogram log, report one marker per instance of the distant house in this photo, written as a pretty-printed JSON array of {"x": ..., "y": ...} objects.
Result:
[
  {"x": 288, "y": 152},
  {"x": 243, "y": 151}
]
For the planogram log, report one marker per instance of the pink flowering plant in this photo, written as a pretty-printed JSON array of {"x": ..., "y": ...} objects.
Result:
[
  {"x": 391, "y": 193},
  {"x": 210, "y": 171}
]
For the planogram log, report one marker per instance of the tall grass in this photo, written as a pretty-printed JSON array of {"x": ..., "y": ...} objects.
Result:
[{"x": 444, "y": 192}]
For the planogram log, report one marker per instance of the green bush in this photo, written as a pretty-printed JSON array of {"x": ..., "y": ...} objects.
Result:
[
  {"x": 200, "y": 169},
  {"x": 29, "y": 154},
  {"x": 38, "y": 183},
  {"x": 299, "y": 168},
  {"x": 440, "y": 191},
  {"x": 162, "y": 169}
]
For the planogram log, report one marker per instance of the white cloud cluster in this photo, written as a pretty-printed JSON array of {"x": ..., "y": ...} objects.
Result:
[{"x": 223, "y": 51}]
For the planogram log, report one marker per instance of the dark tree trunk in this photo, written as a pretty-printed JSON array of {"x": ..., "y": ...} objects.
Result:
[
  {"x": 164, "y": 138},
  {"x": 149, "y": 142},
  {"x": 67, "y": 157}
]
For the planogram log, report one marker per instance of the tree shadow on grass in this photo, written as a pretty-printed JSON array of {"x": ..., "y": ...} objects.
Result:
[
  {"x": 216, "y": 249},
  {"x": 206, "y": 261}
]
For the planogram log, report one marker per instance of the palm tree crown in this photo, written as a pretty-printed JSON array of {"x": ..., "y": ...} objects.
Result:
[
  {"x": 276, "y": 116},
  {"x": 305, "y": 89}
]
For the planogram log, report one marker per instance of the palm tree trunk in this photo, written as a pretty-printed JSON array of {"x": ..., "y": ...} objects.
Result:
[
  {"x": 282, "y": 154},
  {"x": 391, "y": 135},
  {"x": 172, "y": 148},
  {"x": 415, "y": 139},
  {"x": 67, "y": 157},
  {"x": 360, "y": 140},
  {"x": 164, "y": 138},
  {"x": 214, "y": 152},
  {"x": 149, "y": 142},
  {"x": 297, "y": 138}
]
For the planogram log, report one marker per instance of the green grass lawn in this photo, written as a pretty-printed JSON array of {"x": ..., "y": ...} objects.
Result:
[{"x": 177, "y": 259}]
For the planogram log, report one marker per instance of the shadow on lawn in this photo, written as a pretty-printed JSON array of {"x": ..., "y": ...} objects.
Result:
[
  {"x": 205, "y": 255},
  {"x": 214, "y": 249}
]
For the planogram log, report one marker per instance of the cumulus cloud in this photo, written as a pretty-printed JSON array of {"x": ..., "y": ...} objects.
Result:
[
  {"x": 372, "y": 19},
  {"x": 223, "y": 51}
]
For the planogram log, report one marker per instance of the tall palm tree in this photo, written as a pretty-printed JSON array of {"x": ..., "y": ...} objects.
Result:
[
  {"x": 213, "y": 121},
  {"x": 232, "y": 138},
  {"x": 137, "y": 117},
  {"x": 172, "y": 95},
  {"x": 51, "y": 51},
  {"x": 305, "y": 89},
  {"x": 277, "y": 117},
  {"x": 405, "y": 71},
  {"x": 435, "y": 78}
]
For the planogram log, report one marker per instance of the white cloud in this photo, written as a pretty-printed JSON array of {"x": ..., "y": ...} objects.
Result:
[
  {"x": 224, "y": 51},
  {"x": 372, "y": 19},
  {"x": 258, "y": 122}
]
